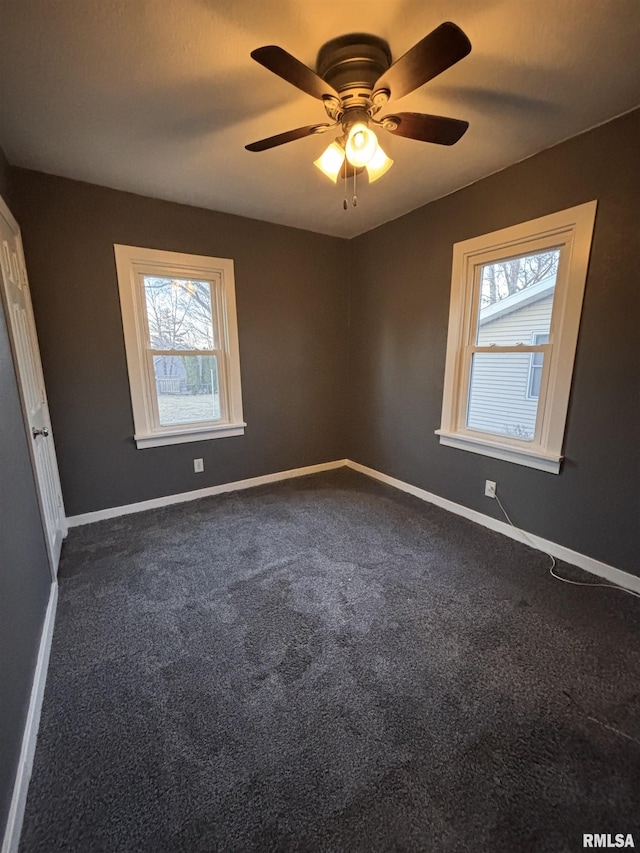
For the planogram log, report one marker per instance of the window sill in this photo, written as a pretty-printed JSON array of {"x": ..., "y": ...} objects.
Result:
[
  {"x": 507, "y": 452},
  {"x": 158, "y": 439}
]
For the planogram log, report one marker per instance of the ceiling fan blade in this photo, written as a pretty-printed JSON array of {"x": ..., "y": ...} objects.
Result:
[
  {"x": 438, "y": 129},
  {"x": 441, "y": 49},
  {"x": 285, "y": 65},
  {"x": 288, "y": 136}
]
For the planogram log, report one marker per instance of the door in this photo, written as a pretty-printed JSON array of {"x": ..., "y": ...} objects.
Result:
[{"x": 26, "y": 355}]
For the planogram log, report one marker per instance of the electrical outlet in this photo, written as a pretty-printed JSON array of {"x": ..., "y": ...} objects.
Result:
[
  {"x": 198, "y": 465},
  {"x": 489, "y": 489}
]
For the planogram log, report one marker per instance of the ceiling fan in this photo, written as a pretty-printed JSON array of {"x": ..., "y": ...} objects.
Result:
[{"x": 355, "y": 79}]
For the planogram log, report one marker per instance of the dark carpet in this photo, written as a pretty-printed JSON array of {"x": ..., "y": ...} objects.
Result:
[{"x": 327, "y": 664}]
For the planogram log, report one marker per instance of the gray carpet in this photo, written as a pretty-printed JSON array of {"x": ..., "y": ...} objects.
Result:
[{"x": 327, "y": 664}]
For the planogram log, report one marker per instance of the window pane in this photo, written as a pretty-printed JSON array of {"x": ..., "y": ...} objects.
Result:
[
  {"x": 187, "y": 388},
  {"x": 535, "y": 371},
  {"x": 516, "y": 299},
  {"x": 498, "y": 395},
  {"x": 536, "y": 376},
  {"x": 179, "y": 313}
]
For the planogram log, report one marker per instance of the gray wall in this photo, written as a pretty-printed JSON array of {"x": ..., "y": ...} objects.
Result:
[
  {"x": 4, "y": 176},
  {"x": 291, "y": 298},
  {"x": 399, "y": 316},
  {"x": 24, "y": 569}
]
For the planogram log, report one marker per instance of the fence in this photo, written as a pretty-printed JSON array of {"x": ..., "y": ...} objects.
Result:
[{"x": 176, "y": 386}]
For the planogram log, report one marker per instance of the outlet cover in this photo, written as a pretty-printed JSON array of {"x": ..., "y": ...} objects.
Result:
[
  {"x": 198, "y": 465},
  {"x": 489, "y": 489}
]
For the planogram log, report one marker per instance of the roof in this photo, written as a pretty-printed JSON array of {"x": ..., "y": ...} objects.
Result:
[{"x": 517, "y": 300}]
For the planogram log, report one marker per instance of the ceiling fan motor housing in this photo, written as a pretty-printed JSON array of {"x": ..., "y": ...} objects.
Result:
[
  {"x": 352, "y": 64},
  {"x": 355, "y": 79}
]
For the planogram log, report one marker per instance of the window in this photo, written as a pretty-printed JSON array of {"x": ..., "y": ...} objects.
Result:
[
  {"x": 181, "y": 340},
  {"x": 516, "y": 299},
  {"x": 535, "y": 365}
]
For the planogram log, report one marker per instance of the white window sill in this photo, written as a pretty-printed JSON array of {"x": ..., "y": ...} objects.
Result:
[
  {"x": 507, "y": 452},
  {"x": 158, "y": 439}
]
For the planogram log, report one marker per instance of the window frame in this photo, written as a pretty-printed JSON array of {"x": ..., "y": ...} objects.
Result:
[
  {"x": 570, "y": 231},
  {"x": 132, "y": 264}
]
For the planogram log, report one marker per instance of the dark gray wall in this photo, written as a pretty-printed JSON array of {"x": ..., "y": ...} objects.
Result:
[
  {"x": 24, "y": 569},
  {"x": 291, "y": 298},
  {"x": 4, "y": 176},
  {"x": 399, "y": 316}
]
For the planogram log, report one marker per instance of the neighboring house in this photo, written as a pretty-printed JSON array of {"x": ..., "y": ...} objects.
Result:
[{"x": 505, "y": 386}]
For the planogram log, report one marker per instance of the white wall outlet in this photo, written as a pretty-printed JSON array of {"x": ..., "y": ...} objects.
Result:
[
  {"x": 489, "y": 489},
  {"x": 198, "y": 465}
]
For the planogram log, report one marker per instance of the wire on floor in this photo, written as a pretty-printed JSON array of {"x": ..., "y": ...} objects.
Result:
[
  {"x": 602, "y": 723},
  {"x": 554, "y": 563}
]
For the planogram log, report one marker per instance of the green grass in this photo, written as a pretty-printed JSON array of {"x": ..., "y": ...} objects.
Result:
[{"x": 187, "y": 408}]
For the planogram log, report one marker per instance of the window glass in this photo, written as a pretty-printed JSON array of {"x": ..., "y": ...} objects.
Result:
[
  {"x": 187, "y": 388},
  {"x": 497, "y": 400},
  {"x": 179, "y": 313},
  {"x": 516, "y": 297},
  {"x": 535, "y": 370}
]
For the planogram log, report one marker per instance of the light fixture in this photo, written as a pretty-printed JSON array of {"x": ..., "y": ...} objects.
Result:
[
  {"x": 361, "y": 144},
  {"x": 378, "y": 165},
  {"x": 331, "y": 160},
  {"x": 355, "y": 78},
  {"x": 363, "y": 152}
]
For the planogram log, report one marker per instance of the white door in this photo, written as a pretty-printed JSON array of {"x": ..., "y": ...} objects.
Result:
[{"x": 24, "y": 343}]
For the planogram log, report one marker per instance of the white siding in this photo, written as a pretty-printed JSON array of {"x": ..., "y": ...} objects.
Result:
[
  {"x": 498, "y": 400},
  {"x": 517, "y": 326}
]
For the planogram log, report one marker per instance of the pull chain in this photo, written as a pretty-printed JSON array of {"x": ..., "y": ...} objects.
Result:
[
  {"x": 344, "y": 203},
  {"x": 354, "y": 200}
]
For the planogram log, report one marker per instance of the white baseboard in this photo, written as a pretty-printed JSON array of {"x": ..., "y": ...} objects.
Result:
[
  {"x": 23, "y": 776},
  {"x": 589, "y": 564},
  {"x": 114, "y": 511}
]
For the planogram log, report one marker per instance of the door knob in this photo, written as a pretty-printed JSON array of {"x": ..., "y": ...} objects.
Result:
[{"x": 44, "y": 432}]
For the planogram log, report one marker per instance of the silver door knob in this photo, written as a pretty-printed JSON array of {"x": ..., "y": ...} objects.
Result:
[{"x": 44, "y": 432}]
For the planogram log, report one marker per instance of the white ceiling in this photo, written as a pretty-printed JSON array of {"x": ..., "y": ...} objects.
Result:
[{"x": 159, "y": 97}]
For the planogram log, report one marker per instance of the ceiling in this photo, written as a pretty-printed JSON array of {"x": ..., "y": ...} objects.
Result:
[{"x": 159, "y": 97}]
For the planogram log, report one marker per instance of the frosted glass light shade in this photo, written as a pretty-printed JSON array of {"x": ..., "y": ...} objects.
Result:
[
  {"x": 361, "y": 144},
  {"x": 378, "y": 165},
  {"x": 330, "y": 161}
]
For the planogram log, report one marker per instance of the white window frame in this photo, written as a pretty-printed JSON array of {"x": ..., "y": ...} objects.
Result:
[
  {"x": 132, "y": 264},
  {"x": 570, "y": 231}
]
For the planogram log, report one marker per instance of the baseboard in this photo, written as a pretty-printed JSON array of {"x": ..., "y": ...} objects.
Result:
[
  {"x": 167, "y": 500},
  {"x": 589, "y": 564},
  {"x": 25, "y": 764}
]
